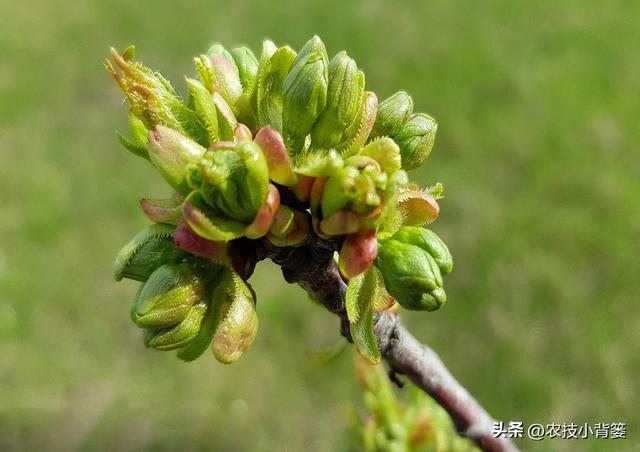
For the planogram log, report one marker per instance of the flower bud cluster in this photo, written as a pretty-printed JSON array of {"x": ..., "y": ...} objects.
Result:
[
  {"x": 186, "y": 303},
  {"x": 282, "y": 148}
]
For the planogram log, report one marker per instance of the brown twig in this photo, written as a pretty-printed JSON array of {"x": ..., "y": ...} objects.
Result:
[{"x": 312, "y": 267}]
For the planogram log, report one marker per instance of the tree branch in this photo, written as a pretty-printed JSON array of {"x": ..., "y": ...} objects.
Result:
[{"x": 312, "y": 267}]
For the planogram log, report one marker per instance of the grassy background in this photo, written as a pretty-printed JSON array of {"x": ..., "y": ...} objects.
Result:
[{"x": 537, "y": 148}]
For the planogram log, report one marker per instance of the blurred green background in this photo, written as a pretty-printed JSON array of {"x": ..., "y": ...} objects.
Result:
[{"x": 538, "y": 151}]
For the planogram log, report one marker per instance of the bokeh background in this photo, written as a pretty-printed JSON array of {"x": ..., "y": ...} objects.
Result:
[{"x": 538, "y": 151}]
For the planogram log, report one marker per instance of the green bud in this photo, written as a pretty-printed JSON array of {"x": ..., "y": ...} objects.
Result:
[
  {"x": 247, "y": 65},
  {"x": 148, "y": 250},
  {"x": 205, "y": 108},
  {"x": 167, "y": 296},
  {"x": 151, "y": 97},
  {"x": 272, "y": 73},
  {"x": 386, "y": 152},
  {"x": 410, "y": 275},
  {"x": 219, "y": 74},
  {"x": 357, "y": 187},
  {"x": 171, "y": 153},
  {"x": 340, "y": 191},
  {"x": 268, "y": 49},
  {"x": 218, "y": 49},
  {"x": 235, "y": 304},
  {"x": 358, "y": 132},
  {"x": 283, "y": 222},
  {"x": 305, "y": 92},
  {"x": 209, "y": 324},
  {"x": 235, "y": 180},
  {"x": 227, "y": 122},
  {"x": 393, "y": 113},
  {"x": 428, "y": 241},
  {"x": 181, "y": 334},
  {"x": 346, "y": 87},
  {"x": 416, "y": 139}
]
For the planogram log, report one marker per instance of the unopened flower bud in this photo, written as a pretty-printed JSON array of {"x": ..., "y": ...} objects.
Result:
[
  {"x": 411, "y": 275},
  {"x": 218, "y": 49},
  {"x": 356, "y": 135},
  {"x": 151, "y": 97},
  {"x": 429, "y": 242},
  {"x": 346, "y": 86},
  {"x": 171, "y": 153},
  {"x": 167, "y": 296},
  {"x": 231, "y": 188},
  {"x": 272, "y": 73},
  {"x": 238, "y": 326},
  {"x": 384, "y": 151},
  {"x": 148, "y": 250},
  {"x": 283, "y": 222},
  {"x": 305, "y": 92},
  {"x": 393, "y": 113},
  {"x": 415, "y": 139},
  {"x": 247, "y": 65},
  {"x": 227, "y": 121},
  {"x": 298, "y": 234},
  {"x": 219, "y": 74},
  {"x": 205, "y": 108},
  {"x": 182, "y": 333},
  {"x": 242, "y": 133},
  {"x": 357, "y": 187}
]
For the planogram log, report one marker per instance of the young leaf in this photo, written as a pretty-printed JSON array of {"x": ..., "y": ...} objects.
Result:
[{"x": 364, "y": 338}]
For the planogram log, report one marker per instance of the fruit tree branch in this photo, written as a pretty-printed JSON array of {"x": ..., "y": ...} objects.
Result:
[{"x": 312, "y": 267}]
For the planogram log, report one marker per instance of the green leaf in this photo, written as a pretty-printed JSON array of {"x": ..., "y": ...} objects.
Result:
[
  {"x": 132, "y": 147},
  {"x": 148, "y": 250},
  {"x": 364, "y": 338},
  {"x": 360, "y": 299},
  {"x": 206, "y": 223}
]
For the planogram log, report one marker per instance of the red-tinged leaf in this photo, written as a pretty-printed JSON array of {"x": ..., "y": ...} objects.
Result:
[
  {"x": 341, "y": 222},
  {"x": 272, "y": 145},
  {"x": 162, "y": 210},
  {"x": 417, "y": 208},
  {"x": 283, "y": 222},
  {"x": 297, "y": 236},
  {"x": 242, "y": 133},
  {"x": 191, "y": 242},
  {"x": 302, "y": 188},
  {"x": 358, "y": 253},
  {"x": 265, "y": 216},
  {"x": 316, "y": 195}
]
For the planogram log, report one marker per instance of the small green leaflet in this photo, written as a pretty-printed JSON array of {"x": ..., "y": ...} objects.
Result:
[{"x": 360, "y": 300}]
